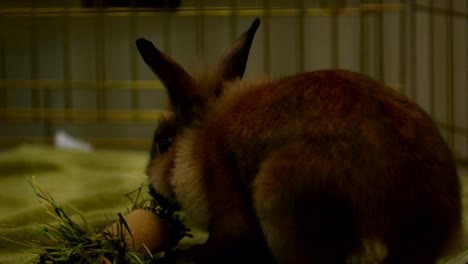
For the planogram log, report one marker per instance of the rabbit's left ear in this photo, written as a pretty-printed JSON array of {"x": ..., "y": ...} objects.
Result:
[
  {"x": 179, "y": 84},
  {"x": 234, "y": 59}
]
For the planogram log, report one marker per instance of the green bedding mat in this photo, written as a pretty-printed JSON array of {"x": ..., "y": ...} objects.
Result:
[{"x": 93, "y": 182}]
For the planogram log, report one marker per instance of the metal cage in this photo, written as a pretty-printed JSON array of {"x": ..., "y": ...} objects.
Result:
[{"x": 72, "y": 65}]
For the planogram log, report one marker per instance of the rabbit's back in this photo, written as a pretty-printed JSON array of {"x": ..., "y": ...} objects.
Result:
[{"x": 340, "y": 165}]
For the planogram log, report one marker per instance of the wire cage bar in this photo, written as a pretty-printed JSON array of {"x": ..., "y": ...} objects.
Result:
[{"x": 72, "y": 64}]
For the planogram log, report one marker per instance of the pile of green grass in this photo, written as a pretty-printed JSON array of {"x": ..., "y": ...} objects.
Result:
[{"x": 73, "y": 241}]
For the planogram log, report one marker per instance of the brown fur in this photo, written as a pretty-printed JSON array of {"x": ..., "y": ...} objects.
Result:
[{"x": 322, "y": 167}]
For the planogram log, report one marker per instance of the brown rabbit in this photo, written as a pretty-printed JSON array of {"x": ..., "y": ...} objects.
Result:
[{"x": 322, "y": 167}]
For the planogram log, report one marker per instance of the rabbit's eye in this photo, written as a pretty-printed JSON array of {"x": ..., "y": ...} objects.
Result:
[{"x": 164, "y": 144}]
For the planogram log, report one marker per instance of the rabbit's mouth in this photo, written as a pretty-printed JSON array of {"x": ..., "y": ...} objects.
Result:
[{"x": 163, "y": 202}]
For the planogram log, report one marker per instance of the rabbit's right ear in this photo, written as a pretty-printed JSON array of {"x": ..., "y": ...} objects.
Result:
[
  {"x": 234, "y": 60},
  {"x": 179, "y": 84}
]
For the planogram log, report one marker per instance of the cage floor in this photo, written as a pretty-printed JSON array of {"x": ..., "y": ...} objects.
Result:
[{"x": 93, "y": 182}]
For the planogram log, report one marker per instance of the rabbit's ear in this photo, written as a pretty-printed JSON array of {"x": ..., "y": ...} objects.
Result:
[
  {"x": 178, "y": 82},
  {"x": 234, "y": 59}
]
